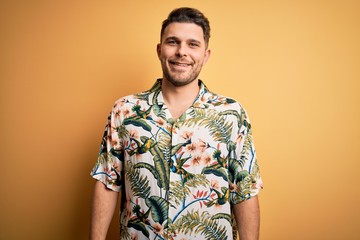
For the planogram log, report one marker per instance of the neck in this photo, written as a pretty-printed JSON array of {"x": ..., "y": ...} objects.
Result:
[
  {"x": 179, "y": 98},
  {"x": 179, "y": 94}
]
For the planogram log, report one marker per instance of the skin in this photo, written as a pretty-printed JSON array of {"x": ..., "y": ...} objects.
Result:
[
  {"x": 182, "y": 53},
  {"x": 247, "y": 215},
  {"x": 103, "y": 207}
]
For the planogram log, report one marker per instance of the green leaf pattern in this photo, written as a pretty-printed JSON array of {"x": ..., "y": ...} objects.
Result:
[{"x": 179, "y": 178}]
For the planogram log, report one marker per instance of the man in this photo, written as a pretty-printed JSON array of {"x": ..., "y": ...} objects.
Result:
[{"x": 182, "y": 156}]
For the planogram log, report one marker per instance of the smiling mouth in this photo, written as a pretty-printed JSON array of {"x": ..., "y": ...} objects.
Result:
[{"x": 180, "y": 64}]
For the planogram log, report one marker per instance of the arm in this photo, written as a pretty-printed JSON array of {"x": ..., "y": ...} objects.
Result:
[
  {"x": 247, "y": 215},
  {"x": 103, "y": 207}
]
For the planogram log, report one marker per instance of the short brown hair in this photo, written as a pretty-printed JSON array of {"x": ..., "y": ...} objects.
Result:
[{"x": 188, "y": 15}]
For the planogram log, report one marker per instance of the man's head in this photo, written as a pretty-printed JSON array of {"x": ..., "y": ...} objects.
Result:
[
  {"x": 188, "y": 15},
  {"x": 183, "y": 48}
]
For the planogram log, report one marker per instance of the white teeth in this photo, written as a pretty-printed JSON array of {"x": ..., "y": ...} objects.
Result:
[{"x": 180, "y": 64}]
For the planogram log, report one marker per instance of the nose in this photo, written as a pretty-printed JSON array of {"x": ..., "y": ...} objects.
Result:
[{"x": 181, "y": 50}]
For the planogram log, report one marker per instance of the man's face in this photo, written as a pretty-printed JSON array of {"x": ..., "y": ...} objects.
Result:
[{"x": 182, "y": 53}]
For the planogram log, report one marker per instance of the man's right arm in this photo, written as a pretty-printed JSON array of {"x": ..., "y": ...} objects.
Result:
[{"x": 103, "y": 207}]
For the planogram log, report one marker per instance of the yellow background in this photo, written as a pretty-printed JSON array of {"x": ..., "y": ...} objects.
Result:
[{"x": 294, "y": 65}]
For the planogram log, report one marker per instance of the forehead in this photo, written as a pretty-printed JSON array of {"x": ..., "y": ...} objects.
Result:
[{"x": 184, "y": 31}]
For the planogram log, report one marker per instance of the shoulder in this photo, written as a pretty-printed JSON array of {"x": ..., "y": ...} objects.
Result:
[
  {"x": 222, "y": 103},
  {"x": 133, "y": 99},
  {"x": 229, "y": 108}
]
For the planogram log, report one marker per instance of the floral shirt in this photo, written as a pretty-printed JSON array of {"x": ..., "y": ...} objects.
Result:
[{"x": 179, "y": 178}]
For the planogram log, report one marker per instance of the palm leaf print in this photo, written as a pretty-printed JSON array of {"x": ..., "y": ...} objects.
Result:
[
  {"x": 139, "y": 184},
  {"x": 143, "y": 96},
  {"x": 159, "y": 208},
  {"x": 222, "y": 216},
  {"x": 241, "y": 117},
  {"x": 244, "y": 187},
  {"x": 214, "y": 122},
  {"x": 122, "y": 131},
  {"x": 152, "y": 169},
  {"x": 161, "y": 166},
  {"x": 255, "y": 170},
  {"x": 246, "y": 148},
  {"x": 164, "y": 144},
  {"x": 193, "y": 223},
  {"x": 103, "y": 158},
  {"x": 179, "y": 189}
]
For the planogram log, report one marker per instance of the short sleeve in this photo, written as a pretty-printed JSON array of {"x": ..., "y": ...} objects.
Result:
[
  {"x": 247, "y": 181},
  {"x": 109, "y": 166}
]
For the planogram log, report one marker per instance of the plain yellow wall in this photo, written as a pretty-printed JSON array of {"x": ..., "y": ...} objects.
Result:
[{"x": 294, "y": 65}]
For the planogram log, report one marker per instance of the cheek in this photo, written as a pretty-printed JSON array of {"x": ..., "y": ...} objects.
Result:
[
  {"x": 166, "y": 52},
  {"x": 200, "y": 59}
]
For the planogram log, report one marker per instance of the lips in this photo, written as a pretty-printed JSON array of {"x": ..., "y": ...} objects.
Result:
[{"x": 180, "y": 64}]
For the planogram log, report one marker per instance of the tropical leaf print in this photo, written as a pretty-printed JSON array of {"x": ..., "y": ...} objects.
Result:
[
  {"x": 234, "y": 166},
  {"x": 122, "y": 131},
  {"x": 161, "y": 166},
  {"x": 117, "y": 153},
  {"x": 152, "y": 169},
  {"x": 240, "y": 116},
  {"x": 240, "y": 176},
  {"x": 194, "y": 223},
  {"x": 244, "y": 187},
  {"x": 164, "y": 144},
  {"x": 222, "y": 216},
  {"x": 157, "y": 110},
  {"x": 159, "y": 208},
  {"x": 181, "y": 176},
  {"x": 246, "y": 149},
  {"x": 138, "y": 225},
  {"x": 217, "y": 170},
  {"x": 136, "y": 121},
  {"x": 124, "y": 233},
  {"x": 179, "y": 189},
  {"x": 177, "y": 147},
  {"x": 103, "y": 158},
  {"x": 197, "y": 181},
  {"x": 222, "y": 101},
  {"x": 215, "y": 123},
  {"x": 144, "y": 96},
  {"x": 255, "y": 170},
  {"x": 222, "y": 197},
  {"x": 143, "y": 146},
  {"x": 139, "y": 184}
]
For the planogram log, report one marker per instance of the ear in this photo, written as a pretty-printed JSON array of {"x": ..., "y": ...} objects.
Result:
[
  {"x": 207, "y": 55},
  {"x": 158, "y": 50}
]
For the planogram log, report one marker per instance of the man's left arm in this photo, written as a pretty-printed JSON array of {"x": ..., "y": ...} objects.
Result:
[{"x": 247, "y": 215}]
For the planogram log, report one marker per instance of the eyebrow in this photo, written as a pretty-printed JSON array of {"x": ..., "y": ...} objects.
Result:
[
  {"x": 171, "y": 38},
  {"x": 177, "y": 39}
]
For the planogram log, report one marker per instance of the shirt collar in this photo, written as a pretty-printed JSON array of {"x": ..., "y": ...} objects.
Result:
[{"x": 201, "y": 100}]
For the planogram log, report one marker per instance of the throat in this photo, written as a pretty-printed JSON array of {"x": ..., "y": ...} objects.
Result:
[
  {"x": 179, "y": 98},
  {"x": 176, "y": 112},
  {"x": 179, "y": 106}
]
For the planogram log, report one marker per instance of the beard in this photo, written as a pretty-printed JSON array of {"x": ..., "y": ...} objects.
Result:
[{"x": 180, "y": 78}]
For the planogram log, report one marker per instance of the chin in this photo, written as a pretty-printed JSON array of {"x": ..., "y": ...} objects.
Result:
[{"x": 180, "y": 82}]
